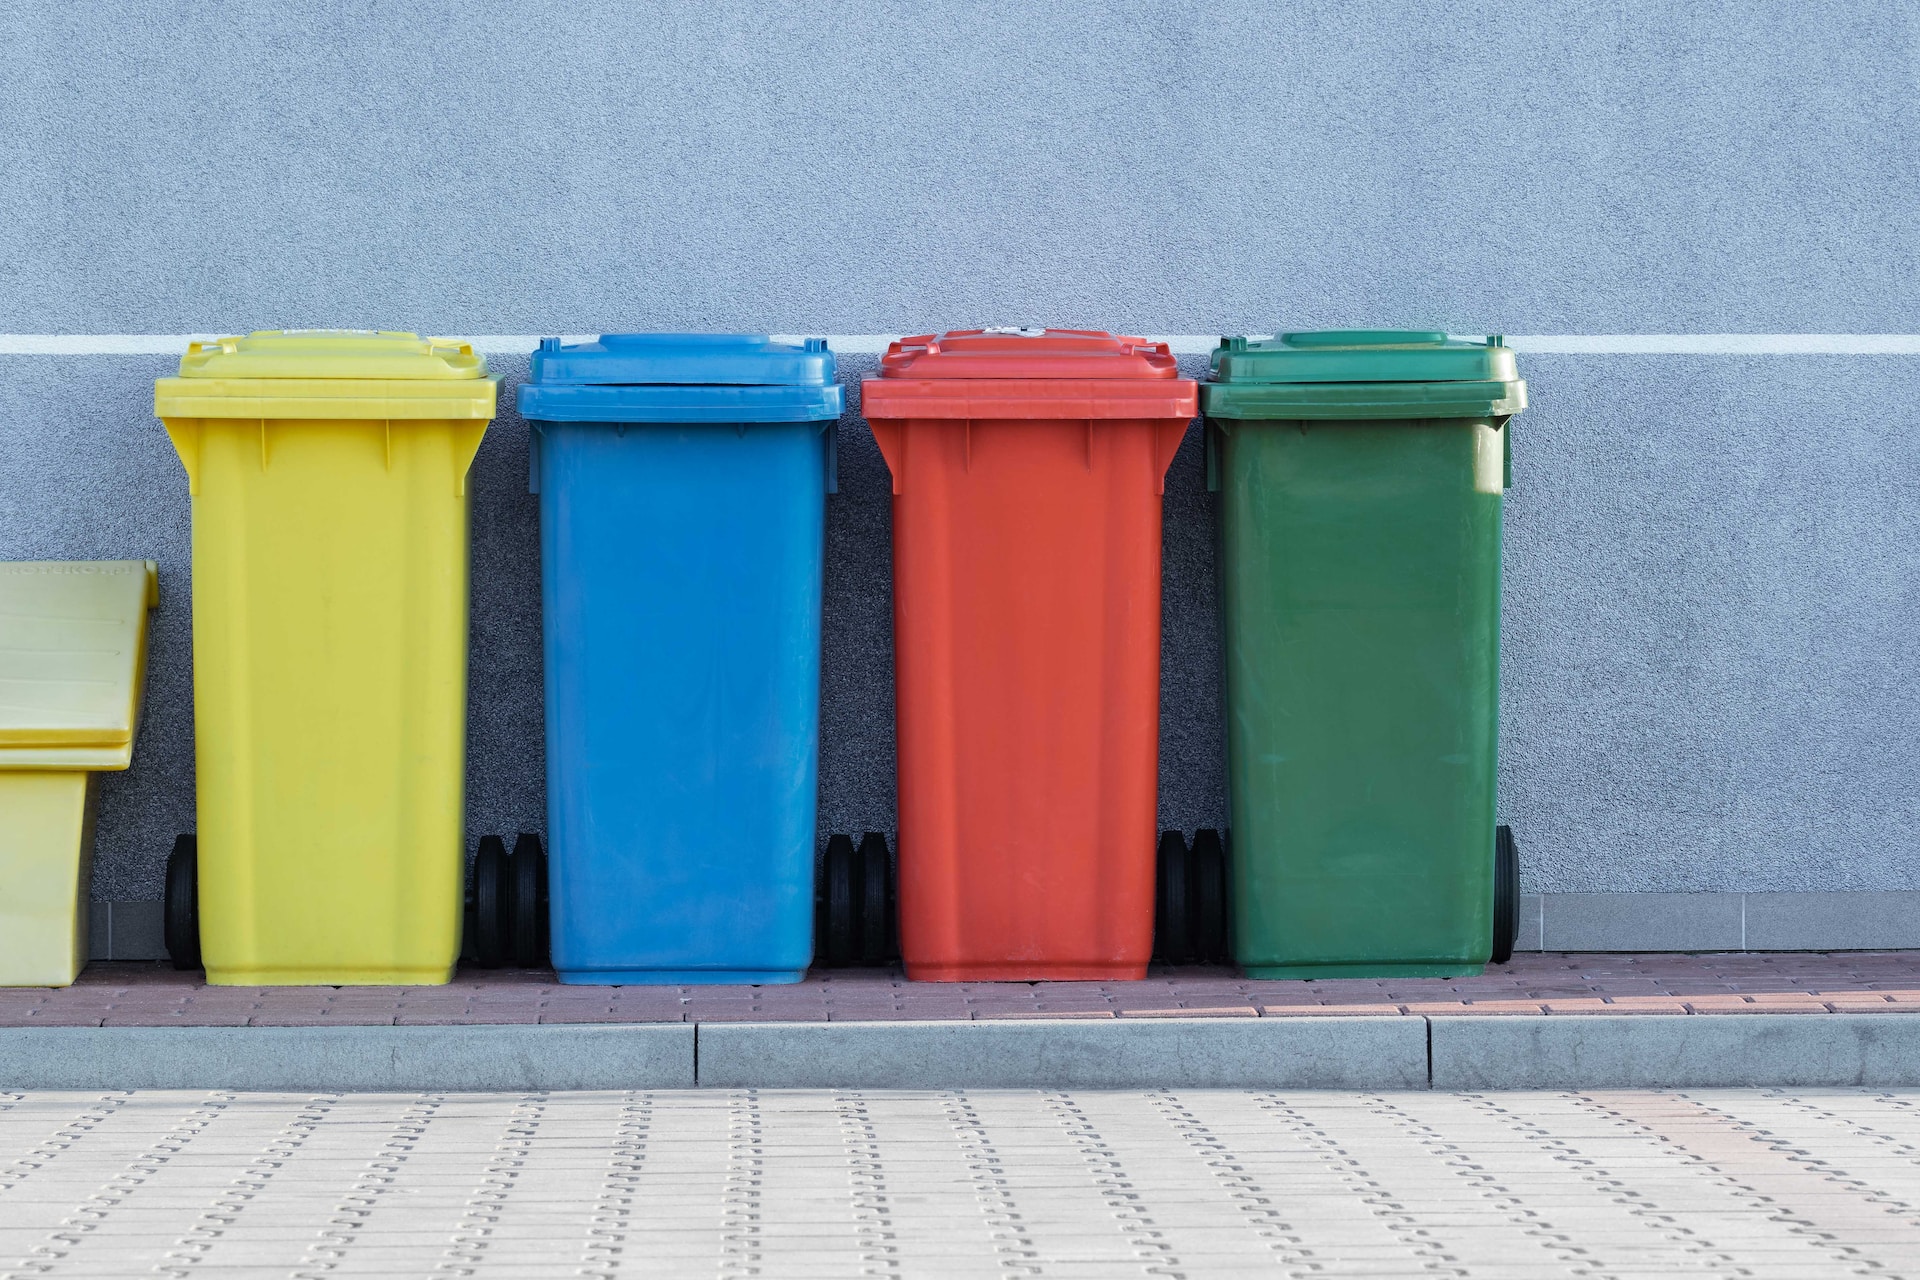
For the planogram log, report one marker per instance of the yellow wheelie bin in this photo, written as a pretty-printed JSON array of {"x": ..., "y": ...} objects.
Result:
[
  {"x": 73, "y": 659},
  {"x": 329, "y": 480}
]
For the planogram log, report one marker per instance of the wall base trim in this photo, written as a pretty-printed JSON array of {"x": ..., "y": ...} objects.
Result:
[{"x": 1875, "y": 920}]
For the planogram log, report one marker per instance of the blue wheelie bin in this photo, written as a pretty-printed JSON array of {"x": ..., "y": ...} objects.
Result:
[{"x": 682, "y": 482}]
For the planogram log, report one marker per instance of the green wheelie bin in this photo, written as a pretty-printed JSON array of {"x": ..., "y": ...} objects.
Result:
[{"x": 1361, "y": 474}]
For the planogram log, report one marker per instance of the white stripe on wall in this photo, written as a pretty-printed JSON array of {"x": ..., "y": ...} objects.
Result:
[
  {"x": 1711, "y": 344},
  {"x": 1723, "y": 344}
]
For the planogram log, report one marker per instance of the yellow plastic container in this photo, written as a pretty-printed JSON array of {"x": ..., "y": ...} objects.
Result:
[
  {"x": 73, "y": 660},
  {"x": 328, "y": 473}
]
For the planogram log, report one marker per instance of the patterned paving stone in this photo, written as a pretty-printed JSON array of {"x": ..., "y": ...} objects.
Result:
[{"x": 1766, "y": 1183}]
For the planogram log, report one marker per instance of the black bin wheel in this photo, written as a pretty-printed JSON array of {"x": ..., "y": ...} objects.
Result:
[
  {"x": 1172, "y": 937},
  {"x": 1207, "y": 897},
  {"x": 1506, "y": 895},
  {"x": 877, "y": 931},
  {"x": 488, "y": 934},
  {"x": 527, "y": 925},
  {"x": 835, "y": 946},
  {"x": 181, "y": 919}
]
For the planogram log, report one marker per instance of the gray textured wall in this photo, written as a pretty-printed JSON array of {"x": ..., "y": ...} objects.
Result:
[
  {"x": 1712, "y": 624},
  {"x": 873, "y": 166},
  {"x": 1710, "y": 593}
]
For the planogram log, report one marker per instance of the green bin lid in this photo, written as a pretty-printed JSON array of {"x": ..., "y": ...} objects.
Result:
[{"x": 1362, "y": 373}]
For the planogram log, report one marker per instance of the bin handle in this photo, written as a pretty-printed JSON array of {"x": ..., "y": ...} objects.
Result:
[
  {"x": 890, "y": 434},
  {"x": 1167, "y": 437},
  {"x": 185, "y": 434},
  {"x": 466, "y": 443}
]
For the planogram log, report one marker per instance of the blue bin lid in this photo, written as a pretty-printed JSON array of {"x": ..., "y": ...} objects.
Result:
[{"x": 681, "y": 377}]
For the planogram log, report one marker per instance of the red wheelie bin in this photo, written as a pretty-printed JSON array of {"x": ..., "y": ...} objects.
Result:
[{"x": 1027, "y": 473}]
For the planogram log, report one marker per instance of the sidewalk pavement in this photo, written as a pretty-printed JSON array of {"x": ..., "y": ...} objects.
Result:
[
  {"x": 1534, "y": 984},
  {"x": 942, "y": 1185},
  {"x": 1549, "y": 1021}
]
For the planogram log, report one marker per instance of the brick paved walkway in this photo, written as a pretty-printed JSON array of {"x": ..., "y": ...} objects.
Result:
[
  {"x": 1534, "y": 984},
  {"x": 1775, "y": 1185}
]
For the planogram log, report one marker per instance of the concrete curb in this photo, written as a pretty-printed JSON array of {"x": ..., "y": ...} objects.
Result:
[
  {"x": 1649, "y": 1051},
  {"x": 1187, "y": 1053},
  {"x": 1455, "y": 1052},
  {"x": 349, "y": 1059}
]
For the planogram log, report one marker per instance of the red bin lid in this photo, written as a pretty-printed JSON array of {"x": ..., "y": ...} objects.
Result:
[
  {"x": 1028, "y": 373},
  {"x": 1028, "y": 353}
]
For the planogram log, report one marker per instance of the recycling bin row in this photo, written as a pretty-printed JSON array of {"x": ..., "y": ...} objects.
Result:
[{"x": 682, "y": 482}]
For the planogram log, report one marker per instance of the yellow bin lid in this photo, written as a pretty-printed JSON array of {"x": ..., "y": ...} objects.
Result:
[
  {"x": 73, "y": 644},
  {"x": 328, "y": 373}
]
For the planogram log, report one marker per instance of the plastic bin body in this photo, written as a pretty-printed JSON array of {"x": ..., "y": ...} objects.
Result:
[
  {"x": 1361, "y": 598},
  {"x": 681, "y": 578},
  {"x": 1027, "y": 474},
  {"x": 46, "y": 868},
  {"x": 73, "y": 658},
  {"x": 328, "y": 474}
]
